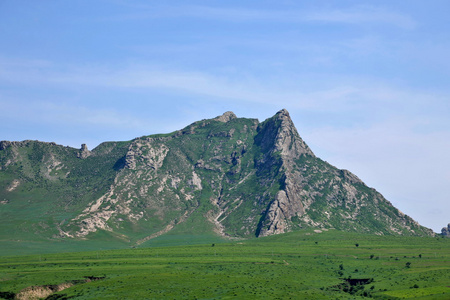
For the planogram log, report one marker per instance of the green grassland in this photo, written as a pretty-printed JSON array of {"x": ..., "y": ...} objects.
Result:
[{"x": 297, "y": 265}]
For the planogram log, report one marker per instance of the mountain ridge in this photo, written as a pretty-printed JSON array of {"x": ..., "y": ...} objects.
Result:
[{"x": 236, "y": 177}]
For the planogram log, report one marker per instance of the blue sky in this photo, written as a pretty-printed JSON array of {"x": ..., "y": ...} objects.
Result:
[{"x": 365, "y": 82}]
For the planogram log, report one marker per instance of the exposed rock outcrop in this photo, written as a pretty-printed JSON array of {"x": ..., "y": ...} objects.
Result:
[
  {"x": 143, "y": 152},
  {"x": 287, "y": 140},
  {"x": 280, "y": 210},
  {"x": 84, "y": 152},
  {"x": 43, "y": 291},
  {"x": 285, "y": 144},
  {"x": 14, "y": 184},
  {"x": 4, "y": 144},
  {"x": 446, "y": 231},
  {"x": 226, "y": 117}
]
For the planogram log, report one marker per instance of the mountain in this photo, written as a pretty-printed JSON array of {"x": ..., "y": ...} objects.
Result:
[{"x": 236, "y": 177}]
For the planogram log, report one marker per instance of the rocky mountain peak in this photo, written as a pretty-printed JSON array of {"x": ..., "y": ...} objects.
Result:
[
  {"x": 287, "y": 140},
  {"x": 283, "y": 113},
  {"x": 226, "y": 117}
]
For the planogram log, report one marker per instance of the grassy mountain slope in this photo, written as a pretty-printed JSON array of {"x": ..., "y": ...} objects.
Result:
[{"x": 44, "y": 184}]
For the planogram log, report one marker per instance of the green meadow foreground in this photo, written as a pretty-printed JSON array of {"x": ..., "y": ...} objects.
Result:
[{"x": 300, "y": 265}]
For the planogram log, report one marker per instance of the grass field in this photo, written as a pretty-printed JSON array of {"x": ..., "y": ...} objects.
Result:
[{"x": 298, "y": 265}]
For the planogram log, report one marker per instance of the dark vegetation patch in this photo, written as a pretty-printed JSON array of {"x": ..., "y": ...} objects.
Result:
[
  {"x": 7, "y": 295},
  {"x": 354, "y": 286}
]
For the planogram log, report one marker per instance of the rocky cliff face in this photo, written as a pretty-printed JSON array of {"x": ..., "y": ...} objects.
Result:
[
  {"x": 446, "y": 231},
  {"x": 233, "y": 176},
  {"x": 283, "y": 146}
]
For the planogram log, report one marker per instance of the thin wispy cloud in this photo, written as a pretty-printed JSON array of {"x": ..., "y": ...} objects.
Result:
[
  {"x": 363, "y": 14},
  {"x": 45, "y": 112},
  {"x": 351, "y": 15},
  {"x": 344, "y": 94}
]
